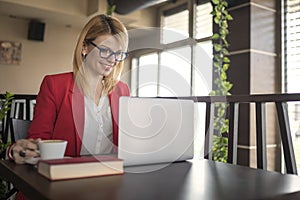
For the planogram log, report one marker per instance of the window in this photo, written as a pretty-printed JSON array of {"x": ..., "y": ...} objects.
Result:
[
  {"x": 175, "y": 24},
  {"x": 186, "y": 54},
  {"x": 147, "y": 74},
  {"x": 292, "y": 45},
  {"x": 175, "y": 72},
  {"x": 203, "y": 21},
  {"x": 203, "y": 53},
  {"x": 291, "y": 66},
  {"x": 203, "y": 56},
  {"x": 182, "y": 66}
]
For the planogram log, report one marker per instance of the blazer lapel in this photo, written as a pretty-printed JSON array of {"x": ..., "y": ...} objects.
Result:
[{"x": 77, "y": 100}]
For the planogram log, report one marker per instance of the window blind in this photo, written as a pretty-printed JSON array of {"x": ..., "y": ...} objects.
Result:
[
  {"x": 291, "y": 45},
  {"x": 203, "y": 21},
  {"x": 291, "y": 67},
  {"x": 175, "y": 24}
]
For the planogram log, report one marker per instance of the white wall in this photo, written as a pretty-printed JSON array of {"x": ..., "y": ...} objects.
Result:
[{"x": 53, "y": 55}]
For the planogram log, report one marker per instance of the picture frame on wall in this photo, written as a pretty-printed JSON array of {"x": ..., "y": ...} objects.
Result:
[{"x": 10, "y": 52}]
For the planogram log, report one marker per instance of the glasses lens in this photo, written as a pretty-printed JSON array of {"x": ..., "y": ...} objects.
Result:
[
  {"x": 105, "y": 52},
  {"x": 120, "y": 56}
]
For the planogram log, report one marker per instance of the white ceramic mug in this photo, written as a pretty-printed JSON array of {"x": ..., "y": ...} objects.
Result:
[{"x": 52, "y": 149}]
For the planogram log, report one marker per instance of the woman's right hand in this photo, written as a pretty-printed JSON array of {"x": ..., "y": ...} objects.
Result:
[{"x": 24, "y": 149}]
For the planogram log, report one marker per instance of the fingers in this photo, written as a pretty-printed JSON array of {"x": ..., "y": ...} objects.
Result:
[
  {"x": 17, "y": 155},
  {"x": 22, "y": 153},
  {"x": 32, "y": 145},
  {"x": 24, "y": 149}
]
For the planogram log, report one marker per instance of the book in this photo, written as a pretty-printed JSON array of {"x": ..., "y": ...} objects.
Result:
[{"x": 80, "y": 167}]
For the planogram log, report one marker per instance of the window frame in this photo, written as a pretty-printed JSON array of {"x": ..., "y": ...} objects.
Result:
[{"x": 177, "y": 6}]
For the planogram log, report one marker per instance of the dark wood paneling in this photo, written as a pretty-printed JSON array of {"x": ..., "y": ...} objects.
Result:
[
  {"x": 253, "y": 38},
  {"x": 262, "y": 29},
  {"x": 243, "y": 157},
  {"x": 239, "y": 73},
  {"x": 239, "y": 29},
  {"x": 233, "y": 3},
  {"x": 244, "y": 125}
]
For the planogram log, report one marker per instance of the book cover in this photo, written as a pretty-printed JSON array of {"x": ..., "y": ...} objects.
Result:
[{"x": 80, "y": 167}]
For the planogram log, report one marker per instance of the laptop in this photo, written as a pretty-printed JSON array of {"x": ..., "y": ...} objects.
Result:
[{"x": 155, "y": 130}]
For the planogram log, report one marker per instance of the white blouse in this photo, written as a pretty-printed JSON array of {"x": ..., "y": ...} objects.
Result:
[{"x": 97, "y": 135}]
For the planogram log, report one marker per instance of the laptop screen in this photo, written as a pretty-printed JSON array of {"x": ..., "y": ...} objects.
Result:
[{"x": 155, "y": 130}]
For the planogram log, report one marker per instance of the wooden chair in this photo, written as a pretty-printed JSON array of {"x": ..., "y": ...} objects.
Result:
[
  {"x": 233, "y": 109},
  {"x": 233, "y": 102}
]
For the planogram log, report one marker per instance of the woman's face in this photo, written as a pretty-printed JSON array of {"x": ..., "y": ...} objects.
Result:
[{"x": 100, "y": 65}]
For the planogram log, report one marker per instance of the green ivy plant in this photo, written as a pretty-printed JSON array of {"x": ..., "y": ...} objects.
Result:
[
  {"x": 4, "y": 107},
  {"x": 110, "y": 9},
  {"x": 221, "y": 63}
]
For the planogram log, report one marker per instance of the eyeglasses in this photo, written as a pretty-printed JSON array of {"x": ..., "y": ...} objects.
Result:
[{"x": 107, "y": 52}]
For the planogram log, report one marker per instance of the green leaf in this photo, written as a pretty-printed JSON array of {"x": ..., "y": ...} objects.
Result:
[
  {"x": 217, "y": 47},
  {"x": 223, "y": 76},
  {"x": 5, "y": 105},
  {"x": 226, "y": 59},
  {"x": 225, "y": 51},
  {"x": 224, "y": 3},
  {"x": 212, "y": 93},
  {"x": 217, "y": 57},
  {"x": 215, "y": 1},
  {"x": 229, "y": 17},
  {"x": 225, "y": 42},
  {"x": 8, "y": 94},
  {"x": 217, "y": 65},
  {"x": 216, "y": 20},
  {"x": 215, "y": 36},
  {"x": 228, "y": 85},
  {"x": 224, "y": 23},
  {"x": 225, "y": 67},
  {"x": 110, "y": 9},
  {"x": 224, "y": 12}
]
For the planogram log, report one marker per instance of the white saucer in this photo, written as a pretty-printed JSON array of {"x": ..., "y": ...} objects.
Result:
[{"x": 34, "y": 160}]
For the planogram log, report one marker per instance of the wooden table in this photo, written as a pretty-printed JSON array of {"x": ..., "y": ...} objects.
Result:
[{"x": 201, "y": 179}]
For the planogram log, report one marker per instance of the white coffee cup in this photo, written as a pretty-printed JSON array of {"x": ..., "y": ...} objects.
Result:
[{"x": 52, "y": 149}]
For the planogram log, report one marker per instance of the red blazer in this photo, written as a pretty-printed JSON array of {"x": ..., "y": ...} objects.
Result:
[{"x": 59, "y": 111}]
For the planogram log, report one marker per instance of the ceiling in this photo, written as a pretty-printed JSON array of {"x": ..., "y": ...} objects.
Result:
[
  {"x": 127, "y": 6},
  {"x": 71, "y": 13},
  {"x": 27, "y": 13}
]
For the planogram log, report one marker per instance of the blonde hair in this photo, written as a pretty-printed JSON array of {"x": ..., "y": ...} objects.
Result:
[{"x": 97, "y": 26}]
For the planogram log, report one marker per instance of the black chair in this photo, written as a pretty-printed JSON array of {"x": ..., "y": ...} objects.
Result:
[
  {"x": 234, "y": 102},
  {"x": 19, "y": 128},
  {"x": 15, "y": 125},
  {"x": 22, "y": 107}
]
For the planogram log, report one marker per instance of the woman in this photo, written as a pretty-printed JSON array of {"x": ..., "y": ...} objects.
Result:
[{"x": 82, "y": 106}]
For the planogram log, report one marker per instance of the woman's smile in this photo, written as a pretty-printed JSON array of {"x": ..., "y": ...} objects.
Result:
[{"x": 107, "y": 67}]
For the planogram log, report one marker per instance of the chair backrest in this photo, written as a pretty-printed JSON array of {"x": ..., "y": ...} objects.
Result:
[
  {"x": 32, "y": 104},
  {"x": 22, "y": 107},
  {"x": 19, "y": 128},
  {"x": 234, "y": 104},
  {"x": 18, "y": 109}
]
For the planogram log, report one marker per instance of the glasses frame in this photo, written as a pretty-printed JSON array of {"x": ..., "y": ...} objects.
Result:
[{"x": 112, "y": 52}]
